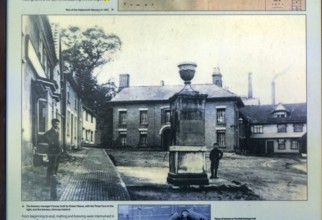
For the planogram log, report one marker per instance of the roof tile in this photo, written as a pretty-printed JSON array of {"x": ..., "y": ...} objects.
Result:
[
  {"x": 262, "y": 114},
  {"x": 160, "y": 93}
]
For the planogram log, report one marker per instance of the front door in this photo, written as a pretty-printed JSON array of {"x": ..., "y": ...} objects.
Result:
[
  {"x": 166, "y": 139},
  {"x": 270, "y": 147}
]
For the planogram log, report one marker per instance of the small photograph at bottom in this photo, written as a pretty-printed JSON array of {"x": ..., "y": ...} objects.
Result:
[{"x": 164, "y": 212}]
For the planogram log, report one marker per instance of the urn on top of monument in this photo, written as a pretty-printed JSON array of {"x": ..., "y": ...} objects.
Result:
[{"x": 187, "y": 71}]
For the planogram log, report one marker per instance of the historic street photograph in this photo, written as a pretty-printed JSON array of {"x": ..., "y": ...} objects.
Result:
[{"x": 164, "y": 108}]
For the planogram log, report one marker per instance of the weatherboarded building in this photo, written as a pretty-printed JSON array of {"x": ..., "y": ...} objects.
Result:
[
  {"x": 141, "y": 115},
  {"x": 275, "y": 129}
]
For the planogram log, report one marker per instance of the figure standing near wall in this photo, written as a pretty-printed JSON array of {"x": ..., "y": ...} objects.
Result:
[
  {"x": 215, "y": 156},
  {"x": 52, "y": 138}
]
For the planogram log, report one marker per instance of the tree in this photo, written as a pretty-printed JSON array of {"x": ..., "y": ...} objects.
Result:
[
  {"x": 82, "y": 53},
  {"x": 88, "y": 49},
  {"x": 85, "y": 51},
  {"x": 105, "y": 112}
]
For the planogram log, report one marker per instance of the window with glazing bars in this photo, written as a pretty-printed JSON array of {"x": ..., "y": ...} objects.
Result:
[
  {"x": 298, "y": 127},
  {"x": 281, "y": 128},
  {"x": 281, "y": 144},
  {"x": 122, "y": 137},
  {"x": 294, "y": 144},
  {"x": 221, "y": 138},
  {"x": 143, "y": 117},
  {"x": 257, "y": 129},
  {"x": 42, "y": 115},
  {"x": 122, "y": 117},
  {"x": 221, "y": 116},
  {"x": 143, "y": 138},
  {"x": 165, "y": 116}
]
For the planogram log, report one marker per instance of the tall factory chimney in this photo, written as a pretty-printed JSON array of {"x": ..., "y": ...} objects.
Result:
[{"x": 250, "y": 86}]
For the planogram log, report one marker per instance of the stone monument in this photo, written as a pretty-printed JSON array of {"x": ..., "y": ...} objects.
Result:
[{"x": 187, "y": 163}]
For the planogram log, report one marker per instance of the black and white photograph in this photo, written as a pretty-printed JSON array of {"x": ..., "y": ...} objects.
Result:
[
  {"x": 164, "y": 108},
  {"x": 164, "y": 212}
]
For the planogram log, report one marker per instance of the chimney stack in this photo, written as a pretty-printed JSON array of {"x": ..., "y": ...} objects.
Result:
[
  {"x": 273, "y": 92},
  {"x": 124, "y": 81},
  {"x": 217, "y": 77},
  {"x": 250, "y": 86}
]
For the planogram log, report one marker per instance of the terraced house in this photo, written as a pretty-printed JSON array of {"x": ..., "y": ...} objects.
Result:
[
  {"x": 89, "y": 126},
  {"x": 71, "y": 124},
  {"x": 48, "y": 92},
  {"x": 41, "y": 90}
]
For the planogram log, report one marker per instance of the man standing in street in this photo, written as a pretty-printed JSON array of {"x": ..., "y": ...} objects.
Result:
[
  {"x": 215, "y": 156},
  {"x": 52, "y": 138}
]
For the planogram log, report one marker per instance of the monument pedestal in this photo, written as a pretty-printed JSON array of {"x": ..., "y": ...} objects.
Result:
[
  {"x": 187, "y": 166},
  {"x": 187, "y": 163}
]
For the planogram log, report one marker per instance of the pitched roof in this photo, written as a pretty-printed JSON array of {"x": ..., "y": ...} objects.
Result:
[
  {"x": 163, "y": 93},
  {"x": 281, "y": 107},
  {"x": 71, "y": 79},
  {"x": 250, "y": 101},
  {"x": 89, "y": 110},
  {"x": 263, "y": 114}
]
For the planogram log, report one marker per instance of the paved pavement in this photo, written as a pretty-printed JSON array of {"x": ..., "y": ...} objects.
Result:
[{"x": 95, "y": 179}]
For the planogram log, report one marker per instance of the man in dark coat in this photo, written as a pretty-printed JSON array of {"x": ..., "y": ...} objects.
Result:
[
  {"x": 215, "y": 156},
  {"x": 52, "y": 138}
]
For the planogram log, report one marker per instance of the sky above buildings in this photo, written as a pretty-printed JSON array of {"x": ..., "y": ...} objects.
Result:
[{"x": 153, "y": 46}]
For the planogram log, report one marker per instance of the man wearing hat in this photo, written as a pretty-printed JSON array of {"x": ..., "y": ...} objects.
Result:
[
  {"x": 215, "y": 156},
  {"x": 52, "y": 138}
]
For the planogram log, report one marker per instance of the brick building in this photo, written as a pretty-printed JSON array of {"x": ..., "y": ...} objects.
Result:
[{"x": 141, "y": 114}]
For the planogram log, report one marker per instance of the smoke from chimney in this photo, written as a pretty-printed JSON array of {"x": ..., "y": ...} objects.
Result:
[
  {"x": 273, "y": 83},
  {"x": 273, "y": 92},
  {"x": 250, "y": 86}
]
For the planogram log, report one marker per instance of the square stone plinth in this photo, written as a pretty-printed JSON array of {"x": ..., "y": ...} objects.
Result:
[{"x": 187, "y": 165}]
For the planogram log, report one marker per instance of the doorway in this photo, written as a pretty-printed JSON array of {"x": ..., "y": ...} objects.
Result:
[
  {"x": 166, "y": 139},
  {"x": 270, "y": 147}
]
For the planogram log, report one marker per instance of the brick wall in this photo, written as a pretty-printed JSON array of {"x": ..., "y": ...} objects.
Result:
[
  {"x": 133, "y": 127},
  {"x": 154, "y": 124},
  {"x": 212, "y": 127}
]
